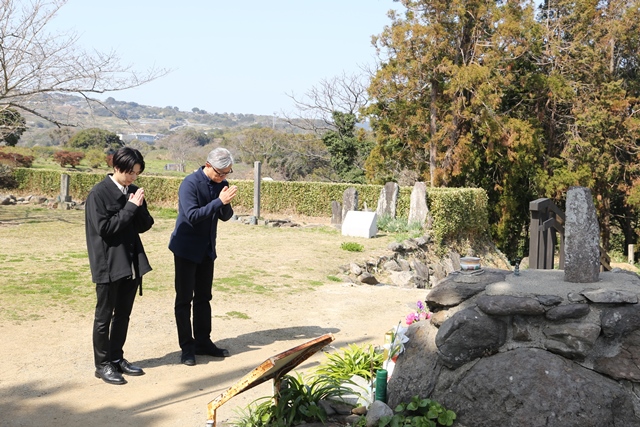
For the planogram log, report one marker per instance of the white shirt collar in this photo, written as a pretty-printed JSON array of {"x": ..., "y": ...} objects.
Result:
[{"x": 122, "y": 188}]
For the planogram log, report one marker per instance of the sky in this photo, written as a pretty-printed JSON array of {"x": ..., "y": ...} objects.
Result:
[{"x": 230, "y": 56}]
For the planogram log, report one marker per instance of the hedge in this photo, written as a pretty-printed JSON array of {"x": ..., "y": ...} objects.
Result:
[{"x": 457, "y": 212}]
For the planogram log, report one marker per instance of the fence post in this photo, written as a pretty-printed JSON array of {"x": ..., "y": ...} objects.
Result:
[{"x": 256, "y": 189}]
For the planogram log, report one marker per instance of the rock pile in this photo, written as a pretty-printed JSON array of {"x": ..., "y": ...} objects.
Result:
[
  {"x": 413, "y": 263},
  {"x": 252, "y": 220},
  {"x": 528, "y": 350},
  {"x": 51, "y": 203}
]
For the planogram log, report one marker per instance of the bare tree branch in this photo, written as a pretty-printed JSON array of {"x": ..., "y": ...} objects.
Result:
[
  {"x": 344, "y": 93},
  {"x": 35, "y": 62}
]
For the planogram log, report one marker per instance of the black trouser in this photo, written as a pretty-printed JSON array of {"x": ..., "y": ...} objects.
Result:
[
  {"x": 193, "y": 283},
  {"x": 111, "y": 321}
]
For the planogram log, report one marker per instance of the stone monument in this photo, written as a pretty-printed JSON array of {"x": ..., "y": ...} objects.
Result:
[
  {"x": 349, "y": 201},
  {"x": 418, "y": 209},
  {"x": 388, "y": 200},
  {"x": 582, "y": 238}
]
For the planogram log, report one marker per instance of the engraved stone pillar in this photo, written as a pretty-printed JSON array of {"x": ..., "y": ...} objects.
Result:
[
  {"x": 64, "y": 188},
  {"x": 388, "y": 200},
  {"x": 418, "y": 209},
  {"x": 336, "y": 213},
  {"x": 349, "y": 201},
  {"x": 582, "y": 238}
]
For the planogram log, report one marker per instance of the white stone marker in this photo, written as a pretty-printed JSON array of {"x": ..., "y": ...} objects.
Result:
[{"x": 360, "y": 224}]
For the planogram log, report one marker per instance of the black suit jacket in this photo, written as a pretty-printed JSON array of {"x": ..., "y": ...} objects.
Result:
[{"x": 112, "y": 226}]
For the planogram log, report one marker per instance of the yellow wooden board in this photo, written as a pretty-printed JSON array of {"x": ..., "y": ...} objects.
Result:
[{"x": 273, "y": 368}]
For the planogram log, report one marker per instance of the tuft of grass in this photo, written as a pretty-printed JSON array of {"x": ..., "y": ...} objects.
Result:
[
  {"x": 240, "y": 282},
  {"x": 352, "y": 247},
  {"x": 237, "y": 315},
  {"x": 332, "y": 278},
  {"x": 78, "y": 255},
  {"x": 163, "y": 213}
]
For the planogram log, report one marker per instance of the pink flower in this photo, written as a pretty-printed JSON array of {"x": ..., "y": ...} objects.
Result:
[
  {"x": 411, "y": 318},
  {"x": 421, "y": 314}
]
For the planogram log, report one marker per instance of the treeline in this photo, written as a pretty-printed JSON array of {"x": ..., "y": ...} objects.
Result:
[{"x": 521, "y": 101}]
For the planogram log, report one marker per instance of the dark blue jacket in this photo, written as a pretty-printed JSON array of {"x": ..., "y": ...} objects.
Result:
[{"x": 199, "y": 209}]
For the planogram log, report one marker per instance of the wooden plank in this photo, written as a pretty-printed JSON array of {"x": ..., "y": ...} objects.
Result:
[{"x": 272, "y": 368}]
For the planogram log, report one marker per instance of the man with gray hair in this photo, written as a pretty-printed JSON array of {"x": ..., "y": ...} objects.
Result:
[{"x": 203, "y": 197}]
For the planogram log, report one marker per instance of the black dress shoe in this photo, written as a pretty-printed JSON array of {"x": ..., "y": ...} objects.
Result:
[
  {"x": 188, "y": 359},
  {"x": 210, "y": 349},
  {"x": 124, "y": 367},
  {"x": 110, "y": 375}
]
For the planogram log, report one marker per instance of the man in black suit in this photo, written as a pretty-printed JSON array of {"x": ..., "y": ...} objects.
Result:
[
  {"x": 115, "y": 214},
  {"x": 204, "y": 197}
]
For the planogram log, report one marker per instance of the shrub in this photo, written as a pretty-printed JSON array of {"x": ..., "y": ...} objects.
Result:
[
  {"x": 96, "y": 158},
  {"x": 352, "y": 360},
  {"x": 6, "y": 177},
  {"x": 71, "y": 158},
  {"x": 43, "y": 152},
  {"x": 297, "y": 403},
  {"x": 15, "y": 159},
  {"x": 352, "y": 246}
]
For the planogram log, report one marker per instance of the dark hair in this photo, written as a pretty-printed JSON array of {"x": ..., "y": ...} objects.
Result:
[{"x": 126, "y": 158}]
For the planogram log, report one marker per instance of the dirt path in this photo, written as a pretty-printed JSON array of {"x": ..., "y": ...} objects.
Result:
[
  {"x": 47, "y": 377},
  {"x": 47, "y": 372}
]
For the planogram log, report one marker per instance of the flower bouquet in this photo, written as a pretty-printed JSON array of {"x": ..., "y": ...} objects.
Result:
[
  {"x": 394, "y": 347},
  {"x": 422, "y": 313}
]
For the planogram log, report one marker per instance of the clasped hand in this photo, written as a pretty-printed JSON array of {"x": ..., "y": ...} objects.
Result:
[
  {"x": 138, "y": 197},
  {"x": 227, "y": 194}
]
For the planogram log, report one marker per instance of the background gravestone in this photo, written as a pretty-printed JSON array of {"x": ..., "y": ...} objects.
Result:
[
  {"x": 336, "y": 213},
  {"x": 582, "y": 238},
  {"x": 64, "y": 188},
  {"x": 418, "y": 208},
  {"x": 388, "y": 200},
  {"x": 349, "y": 201}
]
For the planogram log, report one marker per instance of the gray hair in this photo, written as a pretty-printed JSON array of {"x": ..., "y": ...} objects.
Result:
[{"x": 220, "y": 158}]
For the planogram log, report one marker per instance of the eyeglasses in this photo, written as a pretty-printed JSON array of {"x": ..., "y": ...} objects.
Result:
[{"x": 221, "y": 174}]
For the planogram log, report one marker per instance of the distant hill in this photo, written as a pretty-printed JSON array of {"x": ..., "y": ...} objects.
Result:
[{"x": 128, "y": 117}]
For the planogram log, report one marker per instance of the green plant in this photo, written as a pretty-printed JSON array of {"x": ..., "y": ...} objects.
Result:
[
  {"x": 360, "y": 422},
  {"x": 419, "y": 412},
  {"x": 352, "y": 246},
  {"x": 6, "y": 177},
  {"x": 297, "y": 402},
  {"x": 401, "y": 226},
  {"x": 352, "y": 360},
  {"x": 237, "y": 315}
]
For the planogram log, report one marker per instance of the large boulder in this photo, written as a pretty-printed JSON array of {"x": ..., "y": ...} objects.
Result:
[{"x": 529, "y": 350}]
